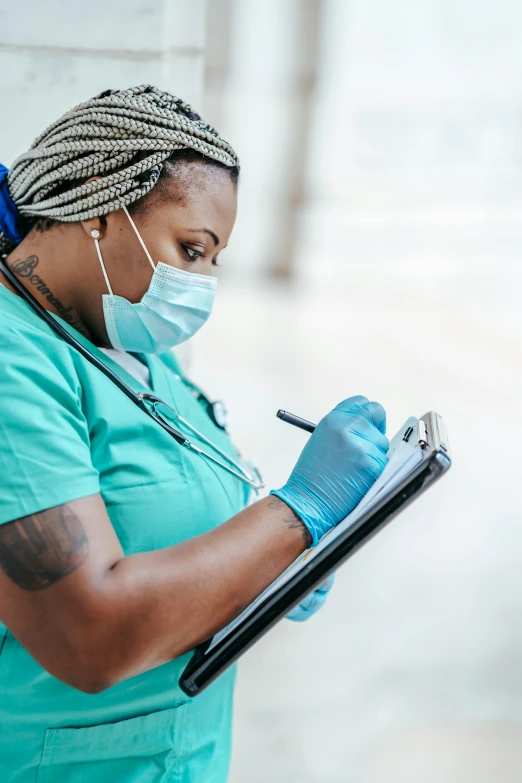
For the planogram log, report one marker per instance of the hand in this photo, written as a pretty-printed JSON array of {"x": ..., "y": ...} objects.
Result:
[
  {"x": 312, "y": 603},
  {"x": 343, "y": 457}
]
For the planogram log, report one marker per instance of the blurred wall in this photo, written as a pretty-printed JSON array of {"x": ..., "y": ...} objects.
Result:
[
  {"x": 407, "y": 288},
  {"x": 57, "y": 55},
  {"x": 54, "y": 55},
  {"x": 260, "y": 89},
  {"x": 415, "y": 136}
]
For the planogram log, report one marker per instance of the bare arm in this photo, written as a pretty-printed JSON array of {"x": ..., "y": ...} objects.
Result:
[{"x": 92, "y": 617}]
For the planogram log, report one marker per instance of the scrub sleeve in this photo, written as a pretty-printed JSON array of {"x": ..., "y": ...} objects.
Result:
[{"x": 67, "y": 432}]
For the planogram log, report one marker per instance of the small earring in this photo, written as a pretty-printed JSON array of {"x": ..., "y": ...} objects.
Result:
[{"x": 95, "y": 234}]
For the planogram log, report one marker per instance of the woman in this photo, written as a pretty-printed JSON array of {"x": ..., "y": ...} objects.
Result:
[{"x": 121, "y": 550}]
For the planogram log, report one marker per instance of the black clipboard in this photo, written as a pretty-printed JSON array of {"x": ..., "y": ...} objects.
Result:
[{"x": 211, "y": 659}]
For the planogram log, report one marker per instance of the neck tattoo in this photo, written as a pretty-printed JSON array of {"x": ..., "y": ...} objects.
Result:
[{"x": 24, "y": 268}]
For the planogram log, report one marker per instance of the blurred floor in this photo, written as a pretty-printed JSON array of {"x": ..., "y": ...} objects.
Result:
[{"x": 413, "y": 671}]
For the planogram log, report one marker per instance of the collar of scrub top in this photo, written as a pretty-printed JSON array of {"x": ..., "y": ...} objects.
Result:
[{"x": 147, "y": 402}]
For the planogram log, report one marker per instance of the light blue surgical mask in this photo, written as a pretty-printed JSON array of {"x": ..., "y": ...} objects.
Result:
[{"x": 176, "y": 305}]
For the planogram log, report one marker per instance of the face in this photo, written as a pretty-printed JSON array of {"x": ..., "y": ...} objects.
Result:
[{"x": 185, "y": 224}]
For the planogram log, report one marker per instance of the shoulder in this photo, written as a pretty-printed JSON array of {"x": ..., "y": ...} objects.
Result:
[
  {"x": 29, "y": 349},
  {"x": 45, "y": 450}
]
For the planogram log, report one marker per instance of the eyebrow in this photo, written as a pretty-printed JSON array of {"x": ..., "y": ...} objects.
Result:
[{"x": 205, "y": 231}]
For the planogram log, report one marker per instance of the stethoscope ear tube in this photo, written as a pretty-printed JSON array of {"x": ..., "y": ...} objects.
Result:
[
  {"x": 65, "y": 335},
  {"x": 138, "y": 399},
  {"x": 72, "y": 341}
]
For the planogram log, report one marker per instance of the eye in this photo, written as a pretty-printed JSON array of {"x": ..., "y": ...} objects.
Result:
[{"x": 192, "y": 254}]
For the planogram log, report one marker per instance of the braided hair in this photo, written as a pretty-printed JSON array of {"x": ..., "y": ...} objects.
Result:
[{"x": 122, "y": 136}]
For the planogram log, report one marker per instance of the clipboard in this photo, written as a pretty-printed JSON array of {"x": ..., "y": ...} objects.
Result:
[{"x": 419, "y": 455}]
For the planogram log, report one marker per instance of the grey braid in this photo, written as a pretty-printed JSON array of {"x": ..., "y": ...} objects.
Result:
[{"x": 122, "y": 136}]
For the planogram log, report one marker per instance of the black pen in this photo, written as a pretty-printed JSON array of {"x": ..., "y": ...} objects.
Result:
[{"x": 297, "y": 421}]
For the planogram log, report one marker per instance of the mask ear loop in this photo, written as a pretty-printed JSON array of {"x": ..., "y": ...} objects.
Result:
[
  {"x": 142, "y": 243},
  {"x": 95, "y": 234}
]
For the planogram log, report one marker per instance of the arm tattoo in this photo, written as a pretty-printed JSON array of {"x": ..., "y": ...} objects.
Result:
[
  {"x": 290, "y": 518},
  {"x": 40, "y": 549}
]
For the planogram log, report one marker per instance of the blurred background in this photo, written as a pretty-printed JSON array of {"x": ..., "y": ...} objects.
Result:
[{"x": 377, "y": 251}]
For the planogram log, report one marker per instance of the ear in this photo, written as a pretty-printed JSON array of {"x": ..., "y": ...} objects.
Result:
[{"x": 97, "y": 224}]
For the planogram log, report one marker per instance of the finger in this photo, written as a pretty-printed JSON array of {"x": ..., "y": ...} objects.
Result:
[
  {"x": 381, "y": 441},
  {"x": 378, "y": 415},
  {"x": 377, "y": 453},
  {"x": 374, "y": 413},
  {"x": 296, "y": 615},
  {"x": 313, "y": 602},
  {"x": 352, "y": 403},
  {"x": 308, "y": 603},
  {"x": 326, "y": 586},
  {"x": 304, "y": 610},
  {"x": 359, "y": 424}
]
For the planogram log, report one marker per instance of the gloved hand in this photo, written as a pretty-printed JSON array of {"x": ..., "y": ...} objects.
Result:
[
  {"x": 312, "y": 603},
  {"x": 343, "y": 457}
]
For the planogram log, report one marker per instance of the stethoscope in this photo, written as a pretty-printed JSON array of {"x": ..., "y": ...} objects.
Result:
[{"x": 149, "y": 403}]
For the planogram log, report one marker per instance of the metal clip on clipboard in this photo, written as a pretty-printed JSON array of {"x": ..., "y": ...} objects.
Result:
[{"x": 430, "y": 429}]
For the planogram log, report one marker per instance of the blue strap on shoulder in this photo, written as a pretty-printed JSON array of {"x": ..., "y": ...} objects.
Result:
[{"x": 12, "y": 225}]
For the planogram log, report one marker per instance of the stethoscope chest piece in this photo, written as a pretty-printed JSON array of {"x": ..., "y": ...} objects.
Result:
[{"x": 218, "y": 413}]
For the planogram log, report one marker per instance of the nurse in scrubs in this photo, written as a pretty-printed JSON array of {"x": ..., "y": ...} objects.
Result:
[{"x": 121, "y": 550}]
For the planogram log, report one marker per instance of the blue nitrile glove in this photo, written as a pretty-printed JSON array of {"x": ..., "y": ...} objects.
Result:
[
  {"x": 343, "y": 457},
  {"x": 312, "y": 603}
]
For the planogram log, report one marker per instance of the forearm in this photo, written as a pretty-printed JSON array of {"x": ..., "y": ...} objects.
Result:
[
  {"x": 157, "y": 605},
  {"x": 92, "y": 617}
]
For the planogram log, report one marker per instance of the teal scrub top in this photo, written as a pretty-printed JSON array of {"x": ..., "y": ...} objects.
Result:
[{"x": 66, "y": 432}]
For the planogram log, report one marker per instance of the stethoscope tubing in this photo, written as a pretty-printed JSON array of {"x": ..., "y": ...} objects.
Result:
[
  {"x": 153, "y": 399},
  {"x": 138, "y": 398}
]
